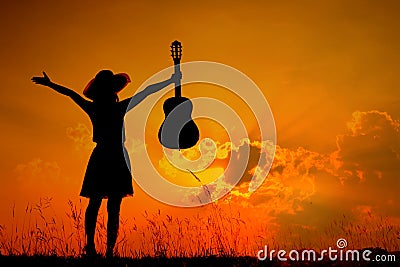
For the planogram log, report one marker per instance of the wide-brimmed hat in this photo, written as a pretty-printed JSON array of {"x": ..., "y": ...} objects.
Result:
[{"x": 106, "y": 80}]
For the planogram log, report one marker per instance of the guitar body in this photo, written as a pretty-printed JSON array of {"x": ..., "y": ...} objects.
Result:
[{"x": 178, "y": 130}]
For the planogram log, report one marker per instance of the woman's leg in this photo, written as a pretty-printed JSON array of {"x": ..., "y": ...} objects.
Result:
[
  {"x": 91, "y": 213},
  {"x": 113, "y": 208}
]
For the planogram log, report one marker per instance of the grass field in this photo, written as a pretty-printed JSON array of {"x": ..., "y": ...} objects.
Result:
[{"x": 218, "y": 238}]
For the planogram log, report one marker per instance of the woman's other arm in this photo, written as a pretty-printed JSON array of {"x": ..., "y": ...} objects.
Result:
[{"x": 45, "y": 80}]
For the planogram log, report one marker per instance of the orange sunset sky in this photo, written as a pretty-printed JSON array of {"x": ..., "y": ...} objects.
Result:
[{"x": 328, "y": 69}]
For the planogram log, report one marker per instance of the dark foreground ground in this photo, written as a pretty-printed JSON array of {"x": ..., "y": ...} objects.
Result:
[{"x": 54, "y": 261}]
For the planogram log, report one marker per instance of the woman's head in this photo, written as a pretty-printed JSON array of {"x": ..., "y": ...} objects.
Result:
[{"x": 106, "y": 85}]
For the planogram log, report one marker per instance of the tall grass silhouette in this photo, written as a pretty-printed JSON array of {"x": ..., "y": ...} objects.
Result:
[
  {"x": 219, "y": 232},
  {"x": 44, "y": 233}
]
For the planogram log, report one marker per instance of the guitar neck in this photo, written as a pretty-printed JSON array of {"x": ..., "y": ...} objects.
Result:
[
  {"x": 176, "y": 53},
  {"x": 177, "y": 83}
]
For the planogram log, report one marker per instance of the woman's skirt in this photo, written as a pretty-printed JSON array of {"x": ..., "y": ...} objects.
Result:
[{"x": 108, "y": 173}]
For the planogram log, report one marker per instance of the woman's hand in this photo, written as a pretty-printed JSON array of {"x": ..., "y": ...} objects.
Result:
[
  {"x": 176, "y": 77},
  {"x": 45, "y": 80}
]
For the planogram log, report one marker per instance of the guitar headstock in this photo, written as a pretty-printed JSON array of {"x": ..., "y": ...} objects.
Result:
[{"x": 176, "y": 51}]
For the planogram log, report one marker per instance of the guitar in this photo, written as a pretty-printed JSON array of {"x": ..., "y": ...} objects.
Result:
[{"x": 178, "y": 130}]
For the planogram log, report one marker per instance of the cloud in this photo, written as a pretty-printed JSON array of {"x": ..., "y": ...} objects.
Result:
[
  {"x": 310, "y": 189},
  {"x": 206, "y": 193},
  {"x": 194, "y": 159},
  {"x": 290, "y": 181},
  {"x": 367, "y": 160},
  {"x": 82, "y": 137},
  {"x": 249, "y": 161},
  {"x": 371, "y": 148},
  {"x": 134, "y": 145},
  {"x": 38, "y": 174}
]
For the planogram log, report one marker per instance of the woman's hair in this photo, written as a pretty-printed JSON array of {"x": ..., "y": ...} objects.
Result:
[{"x": 106, "y": 84}]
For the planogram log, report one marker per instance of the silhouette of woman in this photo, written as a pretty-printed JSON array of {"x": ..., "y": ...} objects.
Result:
[{"x": 107, "y": 175}]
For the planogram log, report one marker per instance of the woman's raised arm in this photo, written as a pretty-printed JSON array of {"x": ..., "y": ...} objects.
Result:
[
  {"x": 151, "y": 89},
  {"x": 45, "y": 80}
]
